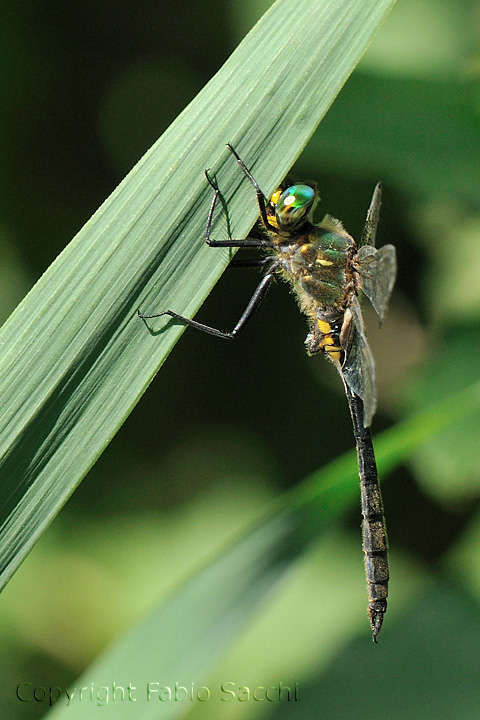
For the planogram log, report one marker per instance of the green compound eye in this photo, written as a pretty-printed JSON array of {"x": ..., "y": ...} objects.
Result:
[{"x": 293, "y": 205}]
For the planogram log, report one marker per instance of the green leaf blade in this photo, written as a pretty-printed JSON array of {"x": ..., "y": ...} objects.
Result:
[{"x": 74, "y": 358}]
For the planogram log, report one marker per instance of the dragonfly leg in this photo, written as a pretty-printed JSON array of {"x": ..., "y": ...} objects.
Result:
[
  {"x": 250, "y": 262},
  {"x": 261, "y": 199},
  {"x": 230, "y": 242},
  {"x": 255, "y": 301}
]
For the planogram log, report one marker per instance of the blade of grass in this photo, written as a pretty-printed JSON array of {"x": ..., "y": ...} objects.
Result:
[
  {"x": 74, "y": 359},
  {"x": 177, "y": 643}
]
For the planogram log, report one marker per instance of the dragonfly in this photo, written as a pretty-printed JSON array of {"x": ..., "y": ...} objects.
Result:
[{"x": 326, "y": 270}]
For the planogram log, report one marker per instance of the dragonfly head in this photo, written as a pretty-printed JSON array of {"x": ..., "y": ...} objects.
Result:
[{"x": 293, "y": 205}]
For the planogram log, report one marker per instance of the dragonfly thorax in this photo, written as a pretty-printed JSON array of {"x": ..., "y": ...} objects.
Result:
[{"x": 319, "y": 267}]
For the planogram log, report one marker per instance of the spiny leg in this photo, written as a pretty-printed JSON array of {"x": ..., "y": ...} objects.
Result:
[
  {"x": 257, "y": 296},
  {"x": 249, "y": 262},
  {"x": 255, "y": 301},
  {"x": 261, "y": 199},
  {"x": 243, "y": 242}
]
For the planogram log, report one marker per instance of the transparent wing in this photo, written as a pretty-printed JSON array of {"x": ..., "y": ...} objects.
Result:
[
  {"x": 370, "y": 227},
  {"x": 358, "y": 369},
  {"x": 378, "y": 270}
]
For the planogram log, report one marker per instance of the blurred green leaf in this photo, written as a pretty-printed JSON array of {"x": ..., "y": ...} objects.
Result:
[
  {"x": 417, "y": 132},
  {"x": 448, "y": 464},
  {"x": 178, "y": 641},
  {"x": 426, "y": 670},
  {"x": 186, "y": 635}
]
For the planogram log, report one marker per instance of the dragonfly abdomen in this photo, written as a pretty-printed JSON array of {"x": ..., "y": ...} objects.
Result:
[
  {"x": 325, "y": 334},
  {"x": 375, "y": 547}
]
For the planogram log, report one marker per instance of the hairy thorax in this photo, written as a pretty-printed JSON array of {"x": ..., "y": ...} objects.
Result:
[{"x": 319, "y": 264}]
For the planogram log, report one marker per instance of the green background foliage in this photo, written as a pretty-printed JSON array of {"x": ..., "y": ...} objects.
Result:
[{"x": 156, "y": 536}]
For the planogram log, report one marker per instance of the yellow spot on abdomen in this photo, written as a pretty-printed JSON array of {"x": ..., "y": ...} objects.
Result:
[
  {"x": 328, "y": 343},
  {"x": 334, "y": 354},
  {"x": 324, "y": 327}
]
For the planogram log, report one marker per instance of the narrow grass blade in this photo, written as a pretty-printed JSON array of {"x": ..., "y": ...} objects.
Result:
[{"x": 74, "y": 358}]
